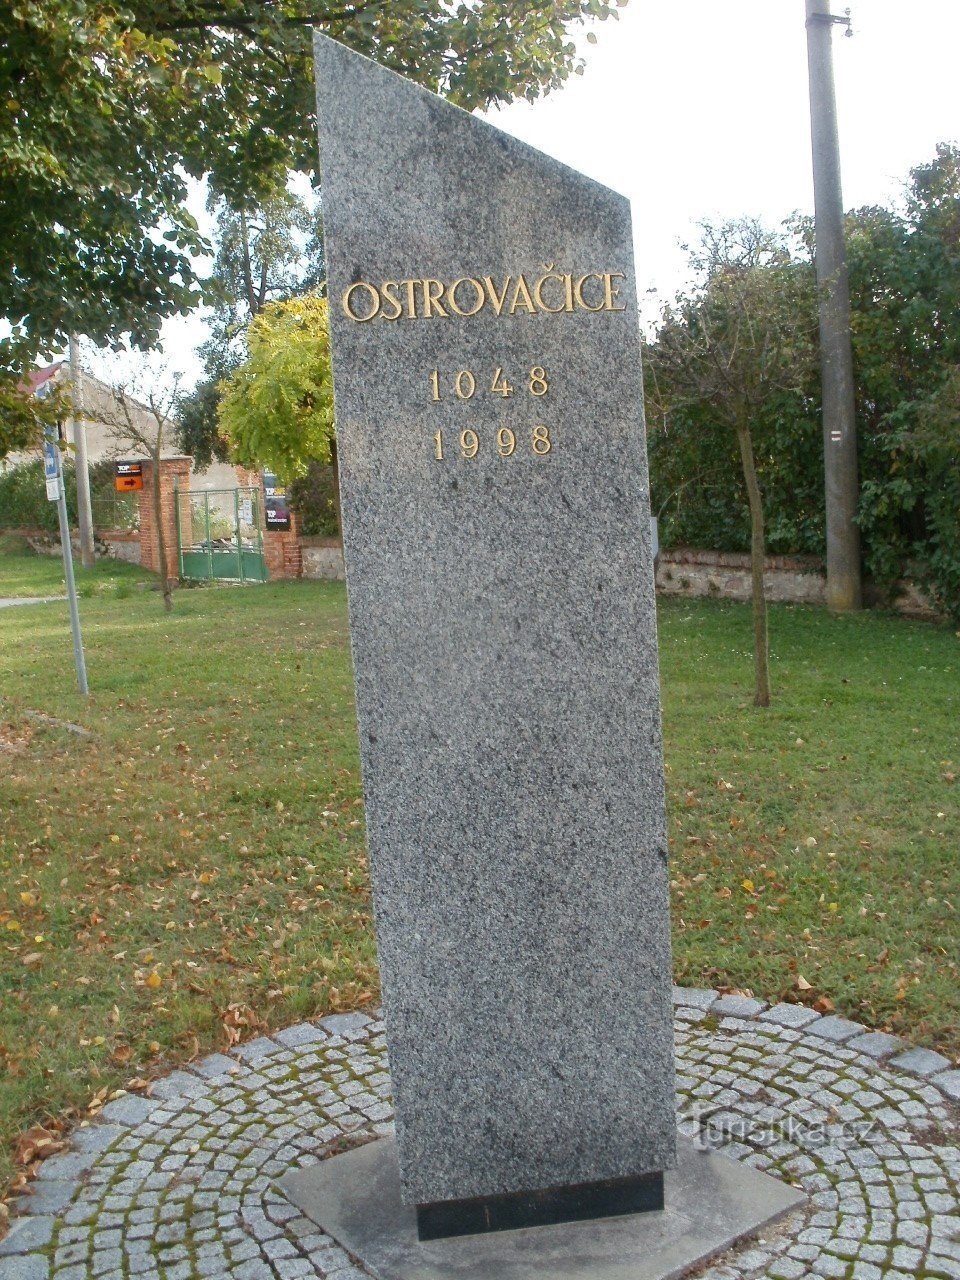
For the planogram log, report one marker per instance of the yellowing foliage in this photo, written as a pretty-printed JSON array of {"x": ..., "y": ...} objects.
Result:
[{"x": 277, "y": 407}]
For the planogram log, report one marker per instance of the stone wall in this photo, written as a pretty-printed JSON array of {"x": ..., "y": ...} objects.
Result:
[
  {"x": 686, "y": 571},
  {"x": 322, "y": 559},
  {"x": 121, "y": 545}
]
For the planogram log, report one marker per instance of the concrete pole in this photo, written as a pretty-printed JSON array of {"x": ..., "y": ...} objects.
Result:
[
  {"x": 67, "y": 550},
  {"x": 78, "y": 437},
  {"x": 844, "y": 589}
]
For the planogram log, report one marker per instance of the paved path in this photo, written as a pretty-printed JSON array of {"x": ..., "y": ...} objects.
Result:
[
  {"x": 8, "y": 602},
  {"x": 182, "y": 1185}
]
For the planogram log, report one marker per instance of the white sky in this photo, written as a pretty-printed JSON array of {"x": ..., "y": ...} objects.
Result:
[{"x": 699, "y": 108}]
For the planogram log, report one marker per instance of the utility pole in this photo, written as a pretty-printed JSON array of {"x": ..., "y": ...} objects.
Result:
[
  {"x": 53, "y": 473},
  {"x": 78, "y": 433},
  {"x": 844, "y": 590}
]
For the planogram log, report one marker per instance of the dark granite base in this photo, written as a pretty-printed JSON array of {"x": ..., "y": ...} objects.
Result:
[
  {"x": 711, "y": 1202},
  {"x": 609, "y": 1199}
]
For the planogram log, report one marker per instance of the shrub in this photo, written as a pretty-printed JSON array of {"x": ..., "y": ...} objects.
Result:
[
  {"x": 23, "y": 497},
  {"x": 314, "y": 498}
]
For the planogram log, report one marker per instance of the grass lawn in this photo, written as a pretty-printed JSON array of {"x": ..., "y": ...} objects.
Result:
[
  {"x": 194, "y": 871},
  {"x": 25, "y": 573}
]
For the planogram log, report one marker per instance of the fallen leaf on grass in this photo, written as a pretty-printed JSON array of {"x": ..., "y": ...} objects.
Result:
[
  {"x": 237, "y": 1019},
  {"x": 37, "y": 1144}
]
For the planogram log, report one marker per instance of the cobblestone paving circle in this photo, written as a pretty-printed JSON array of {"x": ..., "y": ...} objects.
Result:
[{"x": 182, "y": 1185}]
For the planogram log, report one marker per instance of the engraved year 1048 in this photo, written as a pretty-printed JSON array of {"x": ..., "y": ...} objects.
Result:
[{"x": 464, "y": 386}]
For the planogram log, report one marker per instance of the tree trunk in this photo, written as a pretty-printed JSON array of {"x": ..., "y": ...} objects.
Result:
[
  {"x": 161, "y": 538},
  {"x": 247, "y": 265},
  {"x": 761, "y": 664},
  {"x": 336, "y": 488}
]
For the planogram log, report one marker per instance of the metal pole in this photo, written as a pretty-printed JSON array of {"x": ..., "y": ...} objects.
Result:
[
  {"x": 844, "y": 589},
  {"x": 79, "y": 434},
  {"x": 236, "y": 530},
  {"x": 71, "y": 583},
  {"x": 176, "y": 524}
]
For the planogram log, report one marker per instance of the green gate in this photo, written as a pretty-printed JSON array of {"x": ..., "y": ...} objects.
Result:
[{"x": 219, "y": 535}]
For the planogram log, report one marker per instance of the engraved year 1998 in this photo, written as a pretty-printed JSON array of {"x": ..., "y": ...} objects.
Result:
[{"x": 506, "y": 442}]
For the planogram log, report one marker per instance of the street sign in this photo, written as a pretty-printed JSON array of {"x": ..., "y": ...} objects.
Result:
[
  {"x": 129, "y": 476},
  {"x": 51, "y": 469}
]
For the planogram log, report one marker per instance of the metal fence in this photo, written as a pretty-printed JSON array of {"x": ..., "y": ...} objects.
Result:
[{"x": 220, "y": 535}]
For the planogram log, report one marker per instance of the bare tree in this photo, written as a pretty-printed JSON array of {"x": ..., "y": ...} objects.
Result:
[{"x": 141, "y": 415}]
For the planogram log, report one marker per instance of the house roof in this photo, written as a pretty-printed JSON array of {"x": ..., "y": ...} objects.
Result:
[{"x": 37, "y": 377}]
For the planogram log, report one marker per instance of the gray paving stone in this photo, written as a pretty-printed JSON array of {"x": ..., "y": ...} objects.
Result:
[
  {"x": 129, "y": 1110},
  {"x": 47, "y": 1198},
  {"x": 294, "y": 1268},
  {"x": 866, "y": 1271},
  {"x": 828, "y": 1265},
  {"x": 949, "y": 1082},
  {"x": 876, "y": 1044},
  {"x": 254, "y": 1269},
  {"x": 350, "y": 1026},
  {"x": 786, "y": 1269},
  {"x": 789, "y": 1015},
  {"x": 694, "y": 997},
  {"x": 35, "y": 1267},
  {"x": 96, "y": 1137},
  {"x": 835, "y": 1028},
  {"x": 179, "y": 1085},
  {"x": 737, "y": 1007},
  {"x": 217, "y": 1064},
  {"x": 304, "y": 1033},
  {"x": 921, "y": 1062},
  {"x": 106, "y": 1260},
  {"x": 256, "y": 1050},
  {"x": 27, "y": 1234}
]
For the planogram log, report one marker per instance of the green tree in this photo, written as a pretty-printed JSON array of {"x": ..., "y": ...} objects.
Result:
[
  {"x": 94, "y": 234},
  {"x": 23, "y": 416},
  {"x": 738, "y": 341},
  {"x": 905, "y": 297},
  {"x": 104, "y": 107},
  {"x": 277, "y": 407}
]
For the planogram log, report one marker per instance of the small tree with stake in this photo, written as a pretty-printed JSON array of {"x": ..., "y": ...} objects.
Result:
[{"x": 743, "y": 334}]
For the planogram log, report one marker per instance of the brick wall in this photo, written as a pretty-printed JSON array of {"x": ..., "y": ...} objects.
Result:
[
  {"x": 281, "y": 550},
  {"x": 170, "y": 469}
]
